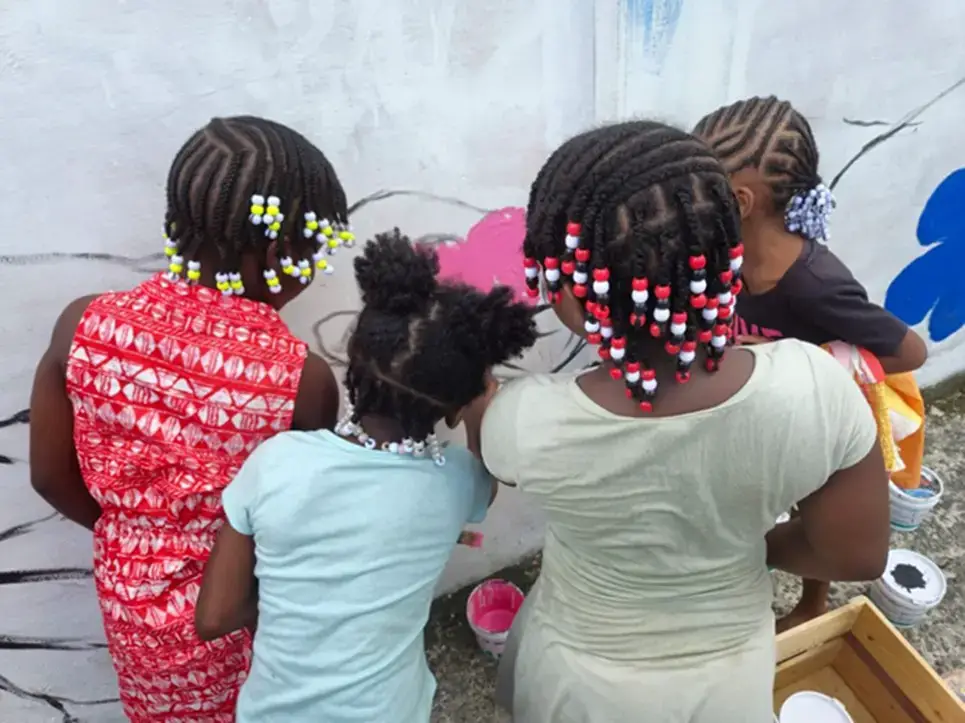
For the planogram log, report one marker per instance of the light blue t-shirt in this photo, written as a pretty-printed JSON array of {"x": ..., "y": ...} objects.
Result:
[{"x": 350, "y": 544}]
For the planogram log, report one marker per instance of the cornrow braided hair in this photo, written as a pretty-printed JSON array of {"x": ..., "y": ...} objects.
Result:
[
  {"x": 421, "y": 347},
  {"x": 640, "y": 218},
  {"x": 218, "y": 175},
  {"x": 770, "y": 136}
]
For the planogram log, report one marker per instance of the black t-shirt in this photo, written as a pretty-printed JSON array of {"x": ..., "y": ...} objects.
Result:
[{"x": 818, "y": 300}]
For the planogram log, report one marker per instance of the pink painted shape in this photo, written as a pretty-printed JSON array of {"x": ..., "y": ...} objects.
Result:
[{"x": 491, "y": 253}]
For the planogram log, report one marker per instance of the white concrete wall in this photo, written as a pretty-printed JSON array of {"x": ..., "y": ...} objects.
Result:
[
  {"x": 857, "y": 70},
  {"x": 461, "y": 100}
]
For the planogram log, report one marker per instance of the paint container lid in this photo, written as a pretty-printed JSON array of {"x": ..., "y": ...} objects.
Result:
[
  {"x": 811, "y": 707},
  {"x": 915, "y": 578}
]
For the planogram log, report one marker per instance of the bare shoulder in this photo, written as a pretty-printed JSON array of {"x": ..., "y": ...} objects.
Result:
[
  {"x": 316, "y": 405},
  {"x": 66, "y": 326}
]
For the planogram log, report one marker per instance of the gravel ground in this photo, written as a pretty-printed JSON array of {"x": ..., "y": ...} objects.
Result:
[{"x": 466, "y": 675}]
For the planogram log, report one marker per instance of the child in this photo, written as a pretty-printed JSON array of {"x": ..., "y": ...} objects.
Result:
[
  {"x": 794, "y": 286},
  {"x": 148, "y": 401},
  {"x": 336, "y": 541},
  {"x": 654, "y": 602}
]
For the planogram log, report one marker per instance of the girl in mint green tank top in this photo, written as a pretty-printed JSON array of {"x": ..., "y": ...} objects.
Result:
[{"x": 335, "y": 540}]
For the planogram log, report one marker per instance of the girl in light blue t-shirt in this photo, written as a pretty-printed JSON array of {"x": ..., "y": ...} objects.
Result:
[{"x": 335, "y": 540}]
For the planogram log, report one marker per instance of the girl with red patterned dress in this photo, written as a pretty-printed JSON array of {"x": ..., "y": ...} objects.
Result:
[{"x": 148, "y": 401}]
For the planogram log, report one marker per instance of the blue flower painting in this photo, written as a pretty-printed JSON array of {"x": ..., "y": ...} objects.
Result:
[{"x": 932, "y": 285}]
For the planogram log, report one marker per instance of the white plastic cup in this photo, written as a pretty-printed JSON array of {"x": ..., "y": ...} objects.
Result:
[
  {"x": 909, "y": 508},
  {"x": 809, "y": 706},
  {"x": 490, "y": 610},
  {"x": 911, "y": 586}
]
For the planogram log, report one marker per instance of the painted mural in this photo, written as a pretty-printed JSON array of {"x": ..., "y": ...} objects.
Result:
[
  {"x": 461, "y": 97},
  {"x": 930, "y": 287},
  {"x": 488, "y": 252}
]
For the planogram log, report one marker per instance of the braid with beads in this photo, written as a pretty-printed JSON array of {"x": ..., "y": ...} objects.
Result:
[
  {"x": 770, "y": 136},
  {"x": 219, "y": 174},
  {"x": 640, "y": 219}
]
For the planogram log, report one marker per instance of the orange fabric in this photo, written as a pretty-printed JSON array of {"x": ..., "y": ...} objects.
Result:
[
  {"x": 912, "y": 448},
  {"x": 870, "y": 376}
]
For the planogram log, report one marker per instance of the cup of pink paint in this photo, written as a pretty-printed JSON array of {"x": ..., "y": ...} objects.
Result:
[{"x": 490, "y": 610}]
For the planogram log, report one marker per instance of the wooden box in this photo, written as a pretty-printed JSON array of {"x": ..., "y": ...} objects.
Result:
[{"x": 855, "y": 655}]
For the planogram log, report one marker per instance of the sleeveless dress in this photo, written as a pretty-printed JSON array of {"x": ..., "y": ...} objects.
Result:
[{"x": 172, "y": 387}]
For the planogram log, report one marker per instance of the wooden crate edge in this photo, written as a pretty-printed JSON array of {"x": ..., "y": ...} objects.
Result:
[{"x": 926, "y": 689}]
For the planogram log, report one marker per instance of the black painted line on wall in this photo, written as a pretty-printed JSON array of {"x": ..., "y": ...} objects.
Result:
[
  {"x": 22, "y": 642},
  {"x": 905, "y": 122},
  {"x": 24, "y": 527},
  {"x": 54, "y": 574},
  {"x": 142, "y": 264},
  {"x": 58, "y": 703},
  {"x": 21, "y": 417}
]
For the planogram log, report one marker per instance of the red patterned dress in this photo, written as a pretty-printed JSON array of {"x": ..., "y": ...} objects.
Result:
[{"x": 172, "y": 386}]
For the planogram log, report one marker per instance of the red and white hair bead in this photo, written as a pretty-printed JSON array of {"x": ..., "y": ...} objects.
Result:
[
  {"x": 580, "y": 275},
  {"x": 698, "y": 281},
  {"x": 710, "y": 311},
  {"x": 572, "y": 240},
  {"x": 639, "y": 294},
  {"x": 601, "y": 281},
  {"x": 686, "y": 357},
  {"x": 531, "y": 271},
  {"x": 551, "y": 272},
  {"x": 719, "y": 339},
  {"x": 736, "y": 254},
  {"x": 592, "y": 327},
  {"x": 661, "y": 309}
]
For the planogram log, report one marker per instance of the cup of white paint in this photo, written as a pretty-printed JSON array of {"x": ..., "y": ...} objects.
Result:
[
  {"x": 909, "y": 508},
  {"x": 490, "y": 610},
  {"x": 911, "y": 586},
  {"x": 809, "y": 706}
]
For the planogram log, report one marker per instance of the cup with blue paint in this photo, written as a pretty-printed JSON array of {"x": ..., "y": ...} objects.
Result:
[{"x": 910, "y": 508}]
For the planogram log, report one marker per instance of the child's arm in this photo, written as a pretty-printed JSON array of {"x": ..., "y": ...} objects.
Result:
[
  {"x": 472, "y": 418},
  {"x": 316, "y": 405},
  {"x": 839, "y": 305},
  {"x": 54, "y": 470},
  {"x": 229, "y": 592}
]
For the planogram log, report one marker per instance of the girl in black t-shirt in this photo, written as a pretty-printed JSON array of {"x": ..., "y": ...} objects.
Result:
[{"x": 793, "y": 285}]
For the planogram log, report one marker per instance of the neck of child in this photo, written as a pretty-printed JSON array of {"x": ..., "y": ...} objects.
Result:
[
  {"x": 255, "y": 287},
  {"x": 769, "y": 251},
  {"x": 382, "y": 428}
]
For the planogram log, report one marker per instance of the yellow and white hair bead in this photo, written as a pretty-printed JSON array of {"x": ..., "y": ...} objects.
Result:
[
  {"x": 288, "y": 266},
  {"x": 304, "y": 271},
  {"x": 321, "y": 263},
  {"x": 274, "y": 283},
  {"x": 234, "y": 280},
  {"x": 194, "y": 272},
  {"x": 222, "y": 283},
  {"x": 175, "y": 267},
  {"x": 327, "y": 239},
  {"x": 346, "y": 236},
  {"x": 266, "y": 212}
]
